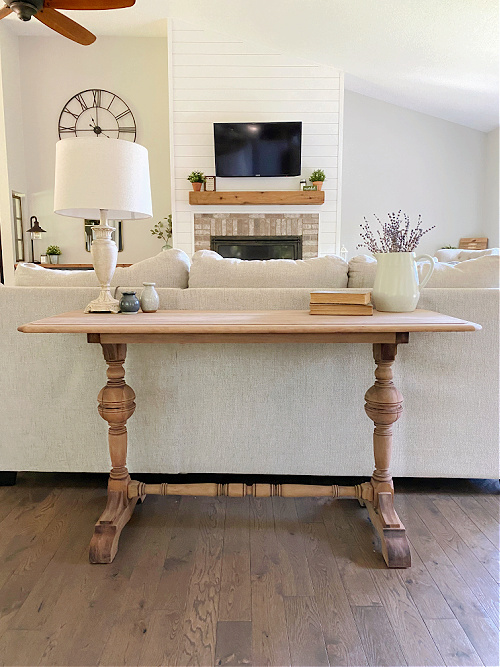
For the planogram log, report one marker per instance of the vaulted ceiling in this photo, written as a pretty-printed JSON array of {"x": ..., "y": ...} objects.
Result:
[{"x": 438, "y": 57}]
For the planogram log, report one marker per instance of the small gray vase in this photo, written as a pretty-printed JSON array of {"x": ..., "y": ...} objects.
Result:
[{"x": 129, "y": 303}]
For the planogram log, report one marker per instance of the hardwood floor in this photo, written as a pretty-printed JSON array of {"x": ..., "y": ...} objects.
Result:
[{"x": 216, "y": 581}]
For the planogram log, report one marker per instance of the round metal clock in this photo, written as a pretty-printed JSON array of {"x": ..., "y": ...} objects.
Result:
[{"x": 98, "y": 113}]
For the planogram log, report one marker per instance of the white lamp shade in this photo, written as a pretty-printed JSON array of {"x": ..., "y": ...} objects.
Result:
[{"x": 95, "y": 173}]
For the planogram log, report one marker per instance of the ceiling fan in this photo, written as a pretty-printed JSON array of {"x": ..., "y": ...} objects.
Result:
[{"x": 46, "y": 12}]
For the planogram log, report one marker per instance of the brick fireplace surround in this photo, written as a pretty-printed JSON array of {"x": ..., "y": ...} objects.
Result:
[{"x": 258, "y": 224}]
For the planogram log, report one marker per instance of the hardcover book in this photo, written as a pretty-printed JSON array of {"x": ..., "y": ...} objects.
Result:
[
  {"x": 335, "y": 296},
  {"x": 340, "y": 309}
]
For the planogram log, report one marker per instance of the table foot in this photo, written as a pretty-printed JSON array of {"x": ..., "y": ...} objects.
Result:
[
  {"x": 104, "y": 543},
  {"x": 392, "y": 533}
]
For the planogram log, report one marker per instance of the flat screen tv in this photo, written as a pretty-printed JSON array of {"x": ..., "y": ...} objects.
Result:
[{"x": 257, "y": 149}]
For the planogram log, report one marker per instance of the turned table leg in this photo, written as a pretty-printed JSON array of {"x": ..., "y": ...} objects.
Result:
[
  {"x": 384, "y": 406},
  {"x": 116, "y": 405}
]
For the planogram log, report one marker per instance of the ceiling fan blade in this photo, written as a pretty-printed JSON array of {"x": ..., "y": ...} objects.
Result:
[
  {"x": 5, "y": 11},
  {"x": 65, "y": 26},
  {"x": 88, "y": 4}
]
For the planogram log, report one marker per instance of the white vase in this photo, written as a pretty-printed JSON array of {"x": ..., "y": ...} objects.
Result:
[
  {"x": 396, "y": 288},
  {"x": 150, "y": 300},
  {"x": 54, "y": 259}
]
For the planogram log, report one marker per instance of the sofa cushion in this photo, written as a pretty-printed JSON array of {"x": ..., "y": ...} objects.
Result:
[
  {"x": 457, "y": 255},
  {"x": 170, "y": 268},
  {"x": 209, "y": 269},
  {"x": 480, "y": 272}
]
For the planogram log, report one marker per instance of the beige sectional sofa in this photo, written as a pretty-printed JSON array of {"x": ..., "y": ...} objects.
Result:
[{"x": 256, "y": 409}]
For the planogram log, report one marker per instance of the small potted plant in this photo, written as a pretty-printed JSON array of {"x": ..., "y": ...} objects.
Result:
[
  {"x": 196, "y": 178},
  {"x": 163, "y": 230},
  {"x": 53, "y": 252},
  {"x": 317, "y": 178}
]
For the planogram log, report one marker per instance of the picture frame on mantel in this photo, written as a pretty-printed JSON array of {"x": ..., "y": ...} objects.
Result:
[
  {"x": 88, "y": 224},
  {"x": 210, "y": 184}
]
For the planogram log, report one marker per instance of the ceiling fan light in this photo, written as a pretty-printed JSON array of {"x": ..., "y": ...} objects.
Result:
[{"x": 25, "y": 9}]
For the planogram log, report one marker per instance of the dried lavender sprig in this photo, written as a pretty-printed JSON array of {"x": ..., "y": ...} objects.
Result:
[{"x": 394, "y": 236}]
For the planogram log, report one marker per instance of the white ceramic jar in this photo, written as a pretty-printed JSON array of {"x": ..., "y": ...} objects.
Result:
[{"x": 150, "y": 300}]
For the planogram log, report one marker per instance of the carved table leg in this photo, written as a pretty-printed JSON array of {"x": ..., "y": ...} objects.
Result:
[
  {"x": 116, "y": 405},
  {"x": 384, "y": 406}
]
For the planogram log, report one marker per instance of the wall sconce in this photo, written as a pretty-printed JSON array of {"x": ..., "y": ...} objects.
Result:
[{"x": 36, "y": 233}]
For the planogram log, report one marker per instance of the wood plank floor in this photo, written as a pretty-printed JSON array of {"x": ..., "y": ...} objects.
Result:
[{"x": 204, "y": 581}]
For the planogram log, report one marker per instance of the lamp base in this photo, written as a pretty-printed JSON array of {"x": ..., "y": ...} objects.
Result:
[
  {"x": 103, "y": 304},
  {"x": 104, "y": 254}
]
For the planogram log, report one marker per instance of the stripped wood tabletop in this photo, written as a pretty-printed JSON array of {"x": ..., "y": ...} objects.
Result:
[{"x": 245, "y": 322}]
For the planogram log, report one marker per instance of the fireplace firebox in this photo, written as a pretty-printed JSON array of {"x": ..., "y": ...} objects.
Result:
[{"x": 258, "y": 247}]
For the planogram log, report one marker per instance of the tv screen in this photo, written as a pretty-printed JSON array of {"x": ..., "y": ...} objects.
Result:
[{"x": 257, "y": 149}]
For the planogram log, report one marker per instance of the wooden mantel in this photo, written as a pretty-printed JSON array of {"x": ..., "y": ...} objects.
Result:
[{"x": 242, "y": 197}]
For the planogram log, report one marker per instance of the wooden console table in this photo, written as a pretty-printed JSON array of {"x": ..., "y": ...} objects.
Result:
[{"x": 383, "y": 402}]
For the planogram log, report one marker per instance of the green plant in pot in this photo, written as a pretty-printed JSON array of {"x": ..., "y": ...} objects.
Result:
[
  {"x": 196, "y": 178},
  {"x": 163, "y": 230},
  {"x": 317, "y": 178},
  {"x": 53, "y": 252}
]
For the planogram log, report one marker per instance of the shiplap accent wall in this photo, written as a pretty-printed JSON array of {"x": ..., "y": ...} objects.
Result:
[{"x": 216, "y": 78}]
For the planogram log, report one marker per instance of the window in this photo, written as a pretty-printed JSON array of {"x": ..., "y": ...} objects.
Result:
[{"x": 17, "y": 208}]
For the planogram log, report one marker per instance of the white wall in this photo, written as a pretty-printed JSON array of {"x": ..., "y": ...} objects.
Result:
[
  {"x": 12, "y": 165},
  {"x": 215, "y": 78},
  {"x": 491, "y": 190},
  {"x": 395, "y": 159},
  {"x": 53, "y": 69}
]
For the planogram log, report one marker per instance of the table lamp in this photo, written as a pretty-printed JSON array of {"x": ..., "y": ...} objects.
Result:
[{"x": 106, "y": 179}]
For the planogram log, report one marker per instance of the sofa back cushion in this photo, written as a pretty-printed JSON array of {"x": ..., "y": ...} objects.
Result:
[
  {"x": 170, "y": 268},
  {"x": 480, "y": 272},
  {"x": 457, "y": 255},
  {"x": 209, "y": 269}
]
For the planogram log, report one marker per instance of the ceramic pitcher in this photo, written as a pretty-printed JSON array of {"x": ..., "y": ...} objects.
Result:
[{"x": 396, "y": 288}]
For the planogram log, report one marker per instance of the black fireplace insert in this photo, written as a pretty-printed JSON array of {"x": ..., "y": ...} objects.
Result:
[{"x": 258, "y": 247}]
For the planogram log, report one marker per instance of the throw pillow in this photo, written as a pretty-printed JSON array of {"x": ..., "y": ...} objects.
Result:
[
  {"x": 474, "y": 254},
  {"x": 447, "y": 254},
  {"x": 170, "y": 268},
  {"x": 209, "y": 269},
  {"x": 457, "y": 255}
]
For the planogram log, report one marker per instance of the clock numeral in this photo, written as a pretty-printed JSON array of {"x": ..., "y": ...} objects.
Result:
[
  {"x": 96, "y": 94},
  {"x": 66, "y": 110},
  {"x": 126, "y": 129},
  {"x": 80, "y": 99},
  {"x": 112, "y": 100},
  {"x": 122, "y": 114},
  {"x": 67, "y": 129}
]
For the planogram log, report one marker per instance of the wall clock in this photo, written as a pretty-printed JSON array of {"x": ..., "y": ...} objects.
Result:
[{"x": 98, "y": 113}]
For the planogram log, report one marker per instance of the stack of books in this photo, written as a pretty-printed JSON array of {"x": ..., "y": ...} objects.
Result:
[{"x": 336, "y": 302}]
